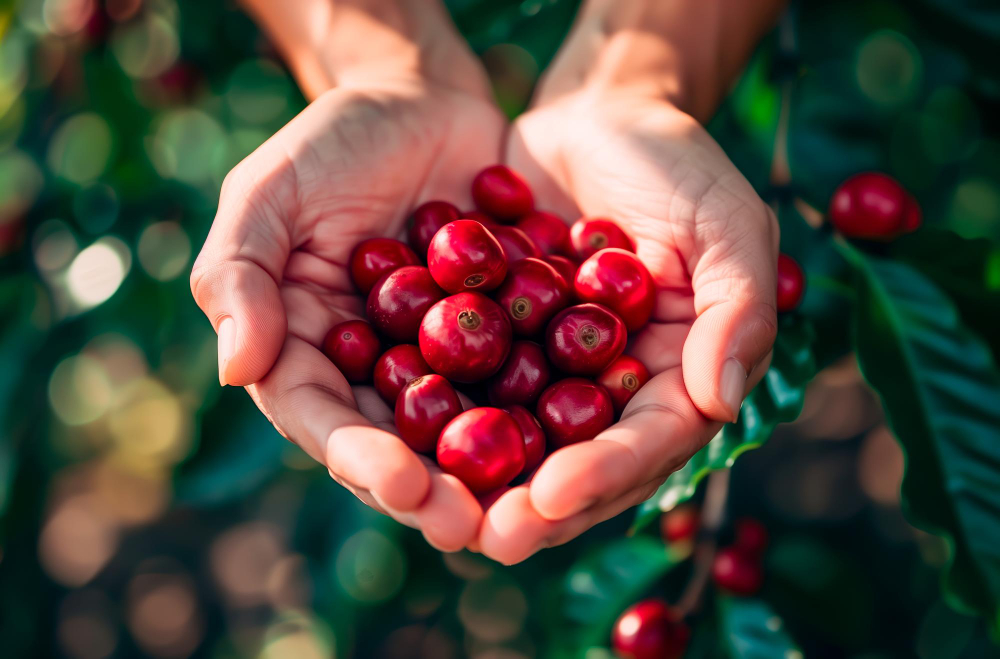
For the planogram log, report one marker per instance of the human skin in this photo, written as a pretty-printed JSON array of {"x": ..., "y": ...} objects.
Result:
[{"x": 402, "y": 114}]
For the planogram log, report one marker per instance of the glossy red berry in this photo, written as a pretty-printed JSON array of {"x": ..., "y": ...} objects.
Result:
[
  {"x": 563, "y": 266},
  {"x": 532, "y": 294},
  {"x": 618, "y": 280},
  {"x": 737, "y": 572},
  {"x": 680, "y": 524},
  {"x": 873, "y": 206},
  {"x": 376, "y": 257},
  {"x": 423, "y": 408},
  {"x": 574, "y": 410},
  {"x": 482, "y": 447},
  {"x": 584, "y": 339},
  {"x": 426, "y": 220},
  {"x": 397, "y": 366},
  {"x": 399, "y": 301},
  {"x": 547, "y": 231},
  {"x": 353, "y": 347},
  {"x": 516, "y": 243},
  {"x": 534, "y": 436},
  {"x": 522, "y": 377},
  {"x": 751, "y": 536},
  {"x": 623, "y": 378},
  {"x": 650, "y": 630},
  {"x": 464, "y": 256},
  {"x": 465, "y": 337},
  {"x": 791, "y": 283},
  {"x": 501, "y": 193},
  {"x": 589, "y": 235}
]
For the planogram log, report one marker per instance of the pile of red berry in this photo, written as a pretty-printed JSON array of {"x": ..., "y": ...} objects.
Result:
[{"x": 514, "y": 309}]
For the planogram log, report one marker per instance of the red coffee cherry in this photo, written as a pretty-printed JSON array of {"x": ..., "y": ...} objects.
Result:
[
  {"x": 425, "y": 222},
  {"x": 399, "y": 301},
  {"x": 584, "y": 339},
  {"x": 424, "y": 407},
  {"x": 464, "y": 256},
  {"x": 501, "y": 193},
  {"x": 590, "y": 235},
  {"x": 623, "y": 378},
  {"x": 574, "y": 410},
  {"x": 465, "y": 337},
  {"x": 873, "y": 206},
  {"x": 397, "y": 366},
  {"x": 353, "y": 347},
  {"x": 375, "y": 257},
  {"x": 680, "y": 524},
  {"x": 791, "y": 283},
  {"x": 618, "y": 280},
  {"x": 534, "y": 436},
  {"x": 522, "y": 377},
  {"x": 547, "y": 231},
  {"x": 736, "y": 572},
  {"x": 650, "y": 630},
  {"x": 563, "y": 266},
  {"x": 480, "y": 217},
  {"x": 751, "y": 536},
  {"x": 531, "y": 294},
  {"x": 516, "y": 243},
  {"x": 482, "y": 447}
]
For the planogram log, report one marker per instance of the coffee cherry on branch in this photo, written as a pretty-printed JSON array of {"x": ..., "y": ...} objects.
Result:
[
  {"x": 465, "y": 337},
  {"x": 424, "y": 406},
  {"x": 353, "y": 347},
  {"x": 622, "y": 379},
  {"x": 501, "y": 193},
  {"x": 650, "y": 630},
  {"x": 376, "y": 257},
  {"x": 522, "y": 378},
  {"x": 618, "y": 280},
  {"x": 532, "y": 294},
  {"x": 574, "y": 410},
  {"x": 751, "y": 536},
  {"x": 534, "y": 436},
  {"x": 482, "y": 447},
  {"x": 873, "y": 206},
  {"x": 425, "y": 222},
  {"x": 464, "y": 256},
  {"x": 547, "y": 231},
  {"x": 397, "y": 366},
  {"x": 584, "y": 339},
  {"x": 590, "y": 235},
  {"x": 737, "y": 572},
  {"x": 679, "y": 524},
  {"x": 791, "y": 283},
  {"x": 398, "y": 302}
]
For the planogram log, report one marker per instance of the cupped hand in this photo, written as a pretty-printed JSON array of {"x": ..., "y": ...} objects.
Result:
[
  {"x": 273, "y": 279},
  {"x": 711, "y": 245}
]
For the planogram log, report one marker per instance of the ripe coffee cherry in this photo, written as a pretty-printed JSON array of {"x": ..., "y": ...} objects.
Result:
[
  {"x": 376, "y": 257},
  {"x": 873, "y": 206},
  {"x": 465, "y": 256},
  {"x": 622, "y": 379},
  {"x": 547, "y": 231},
  {"x": 585, "y": 339},
  {"x": 574, "y": 410},
  {"x": 425, "y": 222},
  {"x": 751, "y": 536},
  {"x": 531, "y": 294},
  {"x": 353, "y": 347},
  {"x": 480, "y": 217},
  {"x": 618, "y": 280},
  {"x": 482, "y": 447},
  {"x": 399, "y": 301},
  {"x": 737, "y": 572},
  {"x": 424, "y": 407},
  {"x": 501, "y": 193},
  {"x": 563, "y": 266},
  {"x": 791, "y": 283},
  {"x": 397, "y": 366},
  {"x": 591, "y": 235},
  {"x": 534, "y": 436},
  {"x": 522, "y": 377},
  {"x": 650, "y": 630},
  {"x": 680, "y": 524},
  {"x": 465, "y": 337},
  {"x": 516, "y": 243}
]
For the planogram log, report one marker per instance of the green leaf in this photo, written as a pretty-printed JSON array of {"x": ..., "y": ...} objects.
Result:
[
  {"x": 751, "y": 630},
  {"x": 941, "y": 393},
  {"x": 777, "y": 399}
]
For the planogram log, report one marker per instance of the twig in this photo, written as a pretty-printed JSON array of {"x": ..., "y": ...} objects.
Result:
[{"x": 712, "y": 513}]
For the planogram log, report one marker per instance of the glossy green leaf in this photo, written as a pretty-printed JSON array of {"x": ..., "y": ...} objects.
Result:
[{"x": 751, "y": 630}]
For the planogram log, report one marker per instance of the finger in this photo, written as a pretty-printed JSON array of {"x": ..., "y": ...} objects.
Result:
[
  {"x": 734, "y": 284},
  {"x": 449, "y": 518},
  {"x": 658, "y": 346}
]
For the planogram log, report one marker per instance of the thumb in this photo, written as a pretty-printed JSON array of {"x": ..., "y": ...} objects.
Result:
[{"x": 734, "y": 293}]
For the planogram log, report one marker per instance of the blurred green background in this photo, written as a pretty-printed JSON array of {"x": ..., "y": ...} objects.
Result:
[{"x": 146, "y": 511}]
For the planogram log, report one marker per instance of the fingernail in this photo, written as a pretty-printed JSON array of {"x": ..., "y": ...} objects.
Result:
[
  {"x": 227, "y": 346},
  {"x": 734, "y": 381}
]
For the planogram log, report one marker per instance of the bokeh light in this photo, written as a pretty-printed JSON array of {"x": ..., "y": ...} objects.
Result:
[
  {"x": 64, "y": 17},
  {"x": 20, "y": 183},
  {"x": 164, "y": 250},
  {"x": 243, "y": 559},
  {"x": 95, "y": 207},
  {"x": 147, "y": 46},
  {"x": 149, "y": 425},
  {"x": 889, "y": 68},
  {"x": 258, "y": 91},
  {"x": 77, "y": 541},
  {"x": 492, "y": 610},
  {"x": 80, "y": 390},
  {"x": 300, "y": 635},
  {"x": 163, "y": 613},
  {"x": 86, "y": 627},
  {"x": 370, "y": 567},
  {"x": 189, "y": 145},
  {"x": 81, "y": 148},
  {"x": 97, "y": 272}
]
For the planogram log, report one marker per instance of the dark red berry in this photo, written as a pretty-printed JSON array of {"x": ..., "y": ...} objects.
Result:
[
  {"x": 623, "y": 378},
  {"x": 791, "y": 283},
  {"x": 680, "y": 524},
  {"x": 397, "y": 366},
  {"x": 591, "y": 235},
  {"x": 482, "y": 447},
  {"x": 584, "y": 339},
  {"x": 522, "y": 377},
  {"x": 751, "y": 536},
  {"x": 737, "y": 572},
  {"x": 547, "y": 230},
  {"x": 534, "y": 436},
  {"x": 618, "y": 280},
  {"x": 574, "y": 410},
  {"x": 425, "y": 222},
  {"x": 563, "y": 266},
  {"x": 531, "y": 294},
  {"x": 650, "y": 630},
  {"x": 516, "y": 243},
  {"x": 424, "y": 407},
  {"x": 480, "y": 217},
  {"x": 376, "y": 257},
  {"x": 501, "y": 193},
  {"x": 873, "y": 206},
  {"x": 465, "y": 256},
  {"x": 399, "y": 301},
  {"x": 353, "y": 347},
  {"x": 465, "y": 337}
]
